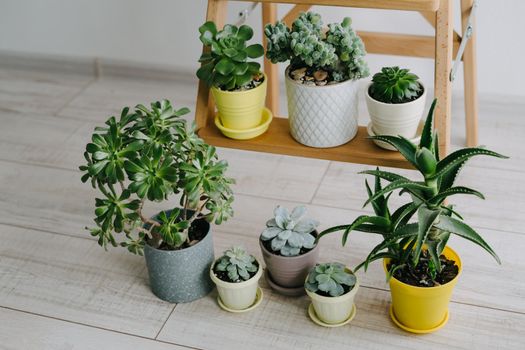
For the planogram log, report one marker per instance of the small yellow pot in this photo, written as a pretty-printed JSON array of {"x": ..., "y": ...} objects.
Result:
[
  {"x": 422, "y": 309},
  {"x": 241, "y": 110}
]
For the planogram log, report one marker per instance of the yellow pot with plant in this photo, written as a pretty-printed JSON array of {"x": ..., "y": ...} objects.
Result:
[
  {"x": 238, "y": 86},
  {"x": 421, "y": 269}
]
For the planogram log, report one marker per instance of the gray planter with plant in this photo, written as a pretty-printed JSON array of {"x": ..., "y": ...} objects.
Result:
[
  {"x": 421, "y": 268},
  {"x": 149, "y": 155},
  {"x": 289, "y": 249},
  {"x": 321, "y": 80}
]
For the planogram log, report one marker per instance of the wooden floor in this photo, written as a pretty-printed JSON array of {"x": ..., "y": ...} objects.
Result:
[{"x": 60, "y": 290}]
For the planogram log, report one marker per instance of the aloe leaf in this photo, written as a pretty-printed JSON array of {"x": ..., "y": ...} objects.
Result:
[
  {"x": 384, "y": 175},
  {"x": 426, "y": 219},
  {"x": 463, "y": 230},
  {"x": 404, "y": 146},
  {"x": 403, "y": 214},
  {"x": 376, "y": 220},
  {"x": 434, "y": 252},
  {"x": 395, "y": 185},
  {"x": 449, "y": 162},
  {"x": 438, "y": 198},
  {"x": 426, "y": 134},
  {"x": 382, "y": 255}
]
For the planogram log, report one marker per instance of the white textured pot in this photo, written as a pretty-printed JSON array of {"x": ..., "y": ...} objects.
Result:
[
  {"x": 322, "y": 116},
  {"x": 237, "y": 296},
  {"x": 396, "y": 118},
  {"x": 334, "y": 310}
]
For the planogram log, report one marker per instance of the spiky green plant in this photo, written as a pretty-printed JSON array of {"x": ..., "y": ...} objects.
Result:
[
  {"x": 339, "y": 51},
  {"x": 237, "y": 263},
  {"x": 403, "y": 241},
  {"x": 330, "y": 278},
  {"x": 288, "y": 233},
  {"x": 148, "y": 155},
  {"x": 395, "y": 85},
  {"x": 226, "y": 65}
]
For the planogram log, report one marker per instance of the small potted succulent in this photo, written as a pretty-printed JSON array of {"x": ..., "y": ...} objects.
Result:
[
  {"x": 236, "y": 275},
  {"x": 289, "y": 249},
  {"x": 421, "y": 269},
  {"x": 332, "y": 288},
  {"x": 396, "y": 101},
  {"x": 149, "y": 155},
  {"x": 321, "y": 80},
  {"x": 237, "y": 84}
]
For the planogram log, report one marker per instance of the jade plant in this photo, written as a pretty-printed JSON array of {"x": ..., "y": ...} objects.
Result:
[
  {"x": 408, "y": 243},
  {"x": 330, "y": 279},
  {"x": 236, "y": 265},
  {"x": 288, "y": 234},
  {"x": 395, "y": 85},
  {"x": 337, "y": 51},
  {"x": 226, "y": 65},
  {"x": 148, "y": 155}
]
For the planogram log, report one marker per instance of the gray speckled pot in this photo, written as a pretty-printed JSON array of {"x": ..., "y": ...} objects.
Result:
[
  {"x": 289, "y": 271},
  {"x": 181, "y": 276}
]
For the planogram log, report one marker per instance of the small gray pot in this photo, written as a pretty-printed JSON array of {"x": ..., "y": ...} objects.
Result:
[
  {"x": 181, "y": 276},
  {"x": 289, "y": 271}
]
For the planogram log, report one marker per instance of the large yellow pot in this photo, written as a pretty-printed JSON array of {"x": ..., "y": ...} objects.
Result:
[
  {"x": 240, "y": 110},
  {"x": 422, "y": 309}
]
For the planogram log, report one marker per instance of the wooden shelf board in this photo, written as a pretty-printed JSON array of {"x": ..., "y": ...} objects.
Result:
[
  {"x": 278, "y": 140},
  {"x": 406, "y": 5}
]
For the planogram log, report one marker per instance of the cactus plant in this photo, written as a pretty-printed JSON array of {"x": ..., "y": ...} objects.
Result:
[
  {"x": 338, "y": 51},
  {"x": 395, "y": 85},
  {"x": 287, "y": 233},
  {"x": 330, "y": 279},
  {"x": 148, "y": 155},
  {"x": 236, "y": 265},
  {"x": 404, "y": 241},
  {"x": 226, "y": 65}
]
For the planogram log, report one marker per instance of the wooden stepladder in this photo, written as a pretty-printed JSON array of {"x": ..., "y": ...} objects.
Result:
[{"x": 441, "y": 47}]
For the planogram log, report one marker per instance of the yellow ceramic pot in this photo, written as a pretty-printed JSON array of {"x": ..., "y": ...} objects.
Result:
[
  {"x": 422, "y": 309},
  {"x": 241, "y": 110}
]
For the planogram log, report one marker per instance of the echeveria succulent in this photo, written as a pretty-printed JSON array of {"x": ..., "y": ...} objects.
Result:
[
  {"x": 288, "y": 232},
  {"x": 237, "y": 263},
  {"x": 226, "y": 65},
  {"x": 330, "y": 278},
  {"x": 395, "y": 85}
]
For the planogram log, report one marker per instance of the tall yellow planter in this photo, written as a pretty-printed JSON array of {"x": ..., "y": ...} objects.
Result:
[
  {"x": 422, "y": 309},
  {"x": 241, "y": 110}
]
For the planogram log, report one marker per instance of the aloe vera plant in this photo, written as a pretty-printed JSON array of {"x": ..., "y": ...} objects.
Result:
[{"x": 403, "y": 240}]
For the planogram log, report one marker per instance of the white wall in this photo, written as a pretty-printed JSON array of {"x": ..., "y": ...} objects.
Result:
[{"x": 164, "y": 32}]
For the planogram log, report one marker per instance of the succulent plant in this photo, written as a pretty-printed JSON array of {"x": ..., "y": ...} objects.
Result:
[
  {"x": 330, "y": 278},
  {"x": 226, "y": 65},
  {"x": 237, "y": 263},
  {"x": 403, "y": 241},
  {"x": 395, "y": 85},
  {"x": 288, "y": 233},
  {"x": 150, "y": 154},
  {"x": 339, "y": 51}
]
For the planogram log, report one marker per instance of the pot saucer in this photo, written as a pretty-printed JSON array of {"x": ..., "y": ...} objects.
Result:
[
  {"x": 246, "y": 134},
  {"x": 286, "y": 291},
  {"x": 388, "y": 146},
  {"x": 417, "y": 331},
  {"x": 258, "y": 299},
  {"x": 313, "y": 317}
]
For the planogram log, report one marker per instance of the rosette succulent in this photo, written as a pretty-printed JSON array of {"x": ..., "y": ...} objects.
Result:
[
  {"x": 225, "y": 65},
  {"x": 331, "y": 279},
  {"x": 338, "y": 51},
  {"x": 288, "y": 233},
  {"x": 237, "y": 264},
  {"x": 148, "y": 155},
  {"x": 395, "y": 85}
]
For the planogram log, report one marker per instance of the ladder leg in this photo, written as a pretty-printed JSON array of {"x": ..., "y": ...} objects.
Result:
[
  {"x": 269, "y": 15},
  {"x": 470, "y": 79},
  {"x": 216, "y": 12},
  {"x": 443, "y": 64}
]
